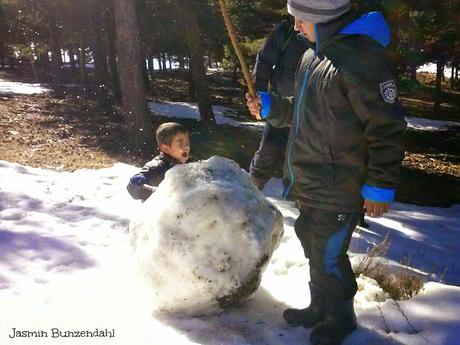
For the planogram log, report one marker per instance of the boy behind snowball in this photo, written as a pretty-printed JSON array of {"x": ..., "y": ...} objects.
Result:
[{"x": 174, "y": 145}]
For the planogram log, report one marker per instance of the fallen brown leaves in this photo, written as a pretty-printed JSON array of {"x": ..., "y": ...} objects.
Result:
[
  {"x": 40, "y": 131},
  {"x": 434, "y": 163}
]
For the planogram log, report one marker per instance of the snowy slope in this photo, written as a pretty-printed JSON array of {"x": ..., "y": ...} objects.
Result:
[{"x": 65, "y": 263}]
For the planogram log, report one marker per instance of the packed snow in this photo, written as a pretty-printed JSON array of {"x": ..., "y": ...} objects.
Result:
[
  {"x": 66, "y": 263},
  {"x": 422, "y": 124},
  {"x": 9, "y": 88},
  {"x": 187, "y": 110},
  {"x": 204, "y": 237},
  {"x": 431, "y": 68}
]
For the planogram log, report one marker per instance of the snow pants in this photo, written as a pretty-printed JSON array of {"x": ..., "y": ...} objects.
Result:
[{"x": 325, "y": 237}]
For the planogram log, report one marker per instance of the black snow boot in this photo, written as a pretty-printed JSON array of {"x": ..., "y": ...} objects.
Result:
[
  {"x": 339, "y": 322},
  {"x": 310, "y": 316}
]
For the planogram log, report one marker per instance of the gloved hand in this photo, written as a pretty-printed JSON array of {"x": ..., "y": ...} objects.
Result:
[{"x": 138, "y": 180}]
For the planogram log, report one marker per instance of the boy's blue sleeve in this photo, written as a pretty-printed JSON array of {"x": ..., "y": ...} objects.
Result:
[
  {"x": 138, "y": 180},
  {"x": 378, "y": 194},
  {"x": 265, "y": 104},
  {"x": 276, "y": 109},
  {"x": 136, "y": 189}
]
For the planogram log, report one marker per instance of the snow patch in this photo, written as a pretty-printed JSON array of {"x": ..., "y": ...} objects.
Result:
[
  {"x": 7, "y": 87},
  {"x": 186, "y": 110},
  {"x": 87, "y": 212},
  {"x": 422, "y": 124}
]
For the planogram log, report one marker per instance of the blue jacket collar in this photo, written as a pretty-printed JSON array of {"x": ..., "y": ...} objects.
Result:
[{"x": 371, "y": 24}]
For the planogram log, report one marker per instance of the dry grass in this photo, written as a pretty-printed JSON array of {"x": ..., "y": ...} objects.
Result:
[{"x": 401, "y": 285}]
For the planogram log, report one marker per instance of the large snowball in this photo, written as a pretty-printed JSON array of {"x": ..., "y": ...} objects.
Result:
[{"x": 204, "y": 237}]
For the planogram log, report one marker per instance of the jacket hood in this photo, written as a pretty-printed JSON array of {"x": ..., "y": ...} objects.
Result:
[{"x": 371, "y": 24}]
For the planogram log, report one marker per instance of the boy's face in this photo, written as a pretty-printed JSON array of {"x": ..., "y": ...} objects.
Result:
[
  {"x": 305, "y": 28},
  {"x": 179, "y": 148}
]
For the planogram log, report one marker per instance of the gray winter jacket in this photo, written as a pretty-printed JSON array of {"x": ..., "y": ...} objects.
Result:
[{"x": 345, "y": 118}]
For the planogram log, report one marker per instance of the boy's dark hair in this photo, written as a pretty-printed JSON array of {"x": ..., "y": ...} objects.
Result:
[{"x": 167, "y": 131}]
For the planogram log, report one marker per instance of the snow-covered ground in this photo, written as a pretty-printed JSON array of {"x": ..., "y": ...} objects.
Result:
[
  {"x": 187, "y": 110},
  {"x": 431, "y": 68},
  {"x": 222, "y": 114},
  {"x": 65, "y": 263},
  {"x": 422, "y": 124},
  {"x": 9, "y": 87}
]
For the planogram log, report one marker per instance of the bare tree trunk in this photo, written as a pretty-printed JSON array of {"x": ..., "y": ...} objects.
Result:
[
  {"x": 454, "y": 75},
  {"x": 82, "y": 62},
  {"x": 152, "y": 68},
  {"x": 33, "y": 69},
  {"x": 145, "y": 75},
  {"x": 44, "y": 65},
  {"x": 188, "y": 8},
  {"x": 109, "y": 21},
  {"x": 413, "y": 72},
  {"x": 56, "y": 58},
  {"x": 235, "y": 74},
  {"x": 73, "y": 66},
  {"x": 160, "y": 62},
  {"x": 33, "y": 65},
  {"x": 181, "y": 62},
  {"x": 170, "y": 62},
  {"x": 191, "y": 86},
  {"x": 139, "y": 127},
  {"x": 100, "y": 59},
  {"x": 438, "y": 93},
  {"x": 163, "y": 61}
]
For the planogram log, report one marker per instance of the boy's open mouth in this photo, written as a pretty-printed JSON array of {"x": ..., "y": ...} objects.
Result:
[{"x": 185, "y": 154}]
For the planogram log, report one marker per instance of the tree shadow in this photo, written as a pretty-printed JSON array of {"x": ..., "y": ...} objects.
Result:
[
  {"x": 24, "y": 244},
  {"x": 364, "y": 336},
  {"x": 20, "y": 249},
  {"x": 259, "y": 321},
  {"x": 430, "y": 249},
  {"x": 256, "y": 321},
  {"x": 65, "y": 211}
]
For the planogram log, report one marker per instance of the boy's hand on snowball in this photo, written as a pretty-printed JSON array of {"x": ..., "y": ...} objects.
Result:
[
  {"x": 376, "y": 209},
  {"x": 138, "y": 180},
  {"x": 253, "y": 104}
]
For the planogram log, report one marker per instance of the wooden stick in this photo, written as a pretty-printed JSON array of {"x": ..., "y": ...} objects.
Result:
[{"x": 239, "y": 53}]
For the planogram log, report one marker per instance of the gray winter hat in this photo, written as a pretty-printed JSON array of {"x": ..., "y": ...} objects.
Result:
[{"x": 317, "y": 11}]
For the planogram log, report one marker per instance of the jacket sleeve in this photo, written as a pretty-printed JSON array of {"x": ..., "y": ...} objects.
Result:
[
  {"x": 138, "y": 192},
  {"x": 269, "y": 158},
  {"x": 375, "y": 102},
  {"x": 269, "y": 55},
  {"x": 276, "y": 109},
  {"x": 153, "y": 174}
]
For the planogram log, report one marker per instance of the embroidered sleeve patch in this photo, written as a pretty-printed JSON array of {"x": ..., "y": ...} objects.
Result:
[{"x": 388, "y": 91}]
